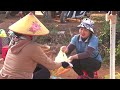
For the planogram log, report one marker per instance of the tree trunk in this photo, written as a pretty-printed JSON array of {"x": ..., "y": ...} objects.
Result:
[{"x": 47, "y": 15}]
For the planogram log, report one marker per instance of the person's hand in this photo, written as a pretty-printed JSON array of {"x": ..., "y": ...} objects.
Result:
[
  {"x": 70, "y": 58},
  {"x": 66, "y": 64},
  {"x": 63, "y": 49}
]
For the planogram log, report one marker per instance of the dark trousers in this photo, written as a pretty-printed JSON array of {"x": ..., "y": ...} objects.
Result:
[
  {"x": 41, "y": 72},
  {"x": 89, "y": 65}
]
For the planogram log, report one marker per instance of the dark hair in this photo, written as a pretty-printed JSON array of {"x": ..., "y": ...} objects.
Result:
[{"x": 17, "y": 34}]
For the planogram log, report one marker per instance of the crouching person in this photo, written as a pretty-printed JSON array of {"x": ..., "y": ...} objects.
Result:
[
  {"x": 87, "y": 57},
  {"x": 24, "y": 54}
]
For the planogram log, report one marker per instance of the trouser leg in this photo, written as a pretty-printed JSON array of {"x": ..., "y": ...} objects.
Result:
[
  {"x": 89, "y": 65},
  {"x": 76, "y": 66},
  {"x": 41, "y": 72}
]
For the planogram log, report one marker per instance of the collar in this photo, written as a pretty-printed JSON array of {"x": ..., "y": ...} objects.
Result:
[{"x": 80, "y": 39}]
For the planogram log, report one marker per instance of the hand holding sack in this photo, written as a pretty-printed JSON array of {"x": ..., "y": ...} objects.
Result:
[{"x": 66, "y": 66}]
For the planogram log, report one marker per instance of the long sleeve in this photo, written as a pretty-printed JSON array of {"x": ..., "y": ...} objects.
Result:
[
  {"x": 70, "y": 47},
  {"x": 40, "y": 57},
  {"x": 88, "y": 52}
]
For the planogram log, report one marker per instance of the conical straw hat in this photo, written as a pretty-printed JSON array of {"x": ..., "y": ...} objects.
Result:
[
  {"x": 3, "y": 33},
  {"x": 29, "y": 25}
]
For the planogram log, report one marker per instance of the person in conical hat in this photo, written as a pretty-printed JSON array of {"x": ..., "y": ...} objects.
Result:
[{"x": 24, "y": 54}]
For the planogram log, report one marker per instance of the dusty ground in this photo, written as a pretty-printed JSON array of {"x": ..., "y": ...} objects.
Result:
[{"x": 71, "y": 25}]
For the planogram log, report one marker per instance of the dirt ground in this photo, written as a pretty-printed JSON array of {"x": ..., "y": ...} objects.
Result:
[{"x": 5, "y": 22}]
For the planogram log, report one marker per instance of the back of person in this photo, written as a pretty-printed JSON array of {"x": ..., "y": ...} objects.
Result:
[{"x": 20, "y": 62}]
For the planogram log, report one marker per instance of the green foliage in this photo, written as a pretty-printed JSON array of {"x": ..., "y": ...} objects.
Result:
[
  {"x": 118, "y": 25},
  {"x": 118, "y": 53},
  {"x": 104, "y": 33},
  {"x": 104, "y": 40},
  {"x": 118, "y": 43}
]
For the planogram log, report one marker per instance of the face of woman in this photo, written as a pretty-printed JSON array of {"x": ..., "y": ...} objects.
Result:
[{"x": 84, "y": 32}]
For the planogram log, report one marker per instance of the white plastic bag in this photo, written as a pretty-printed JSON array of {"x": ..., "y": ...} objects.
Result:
[{"x": 61, "y": 57}]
